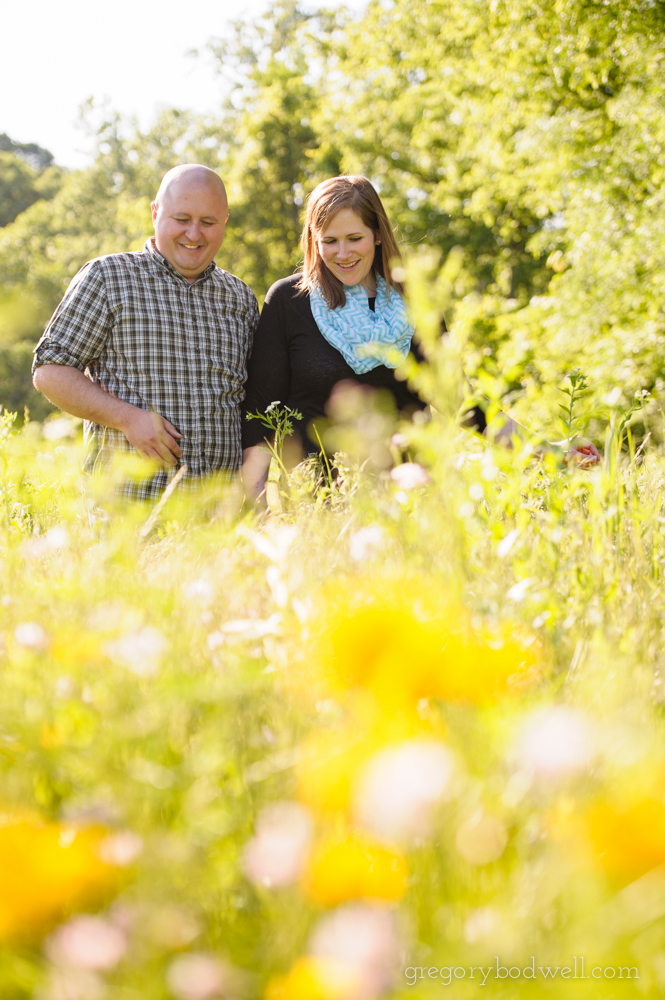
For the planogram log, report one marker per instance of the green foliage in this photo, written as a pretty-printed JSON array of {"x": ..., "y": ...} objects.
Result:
[
  {"x": 531, "y": 135},
  {"x": 18, "y": 187}
]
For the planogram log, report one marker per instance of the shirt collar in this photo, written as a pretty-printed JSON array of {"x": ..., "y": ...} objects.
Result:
[{"x": 150, "y": 248}]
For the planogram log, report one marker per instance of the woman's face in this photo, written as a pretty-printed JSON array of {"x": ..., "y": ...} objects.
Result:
[{"x": 347, "y": 248}]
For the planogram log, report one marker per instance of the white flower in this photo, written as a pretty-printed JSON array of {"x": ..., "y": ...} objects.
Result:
[
  {"x": 200, "y": 591},
  {"x": 31, "y": 635},
  {"x": 121, "y": 849},
  {"x": 363, "y": 939},
  {"x": 197, "y": 977},
  {"x": 275, "y": 855},
  {"x": 61, "y": 427},
  {"x": 139, "y": 651},
  {"x": 480, "y": 924},
  {"x": 555, "y": 742},
  {"x": 399, "y": 786},
  {"x": 246, "y": 628},
  {"x": 87, "y": 942},
  {"x": 409, "y": 476},
  {"x": 365, "y": 542}
]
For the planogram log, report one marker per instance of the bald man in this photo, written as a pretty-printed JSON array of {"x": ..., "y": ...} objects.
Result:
[{"x": 150, "y": 347}]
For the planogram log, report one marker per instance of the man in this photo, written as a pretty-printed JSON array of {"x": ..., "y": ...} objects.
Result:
[{"x": 150, "y": 347}]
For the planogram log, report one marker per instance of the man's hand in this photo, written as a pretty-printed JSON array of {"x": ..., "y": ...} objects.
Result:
[{"x": 152, "y": 435}]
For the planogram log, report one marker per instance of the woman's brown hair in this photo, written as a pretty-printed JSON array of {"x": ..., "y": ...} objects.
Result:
[{"x": 325, "y": 201}]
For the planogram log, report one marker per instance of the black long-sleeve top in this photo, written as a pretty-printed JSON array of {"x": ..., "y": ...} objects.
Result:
[{"x": 292, "y": 362}]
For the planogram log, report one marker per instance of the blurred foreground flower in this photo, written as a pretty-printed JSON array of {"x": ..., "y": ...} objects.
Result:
[
  {"x": 409, "y": 476},
  {"x": 354, "y": 866},
  {"x": 198, "y": 977},
  {"x": 555, "y": 742},
  {"x": 87, "y": 942},
  {"x": 399, "y": 786},
  {"x": 46, "y": 871},
  {"x": 313, "y": 978},
  {"x": 391, "y": 650},
  {"x": 627, "y": 837},
  {"x": 275, "y": 856},
  {"x": 140, "y": 651},
  {"x": 363, "y": 937}
]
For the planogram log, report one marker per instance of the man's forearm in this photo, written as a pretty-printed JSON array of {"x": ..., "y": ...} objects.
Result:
[
  {"x": 70, "y": 390},
  {"x": 152, "y": 435}
]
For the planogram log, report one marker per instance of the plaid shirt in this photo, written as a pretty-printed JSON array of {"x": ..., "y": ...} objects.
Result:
[{"x": 142, "y": 332}]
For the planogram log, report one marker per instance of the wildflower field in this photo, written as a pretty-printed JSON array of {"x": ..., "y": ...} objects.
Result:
[{"x": 399, "y": 736}]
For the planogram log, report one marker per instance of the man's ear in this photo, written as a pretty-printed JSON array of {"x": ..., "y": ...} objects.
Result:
[{"x": 153, "y": 209}]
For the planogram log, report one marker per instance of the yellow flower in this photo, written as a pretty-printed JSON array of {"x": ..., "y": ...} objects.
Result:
[
  {"x": 316, "y": 979},
  {"x": 628, "y": 839},
  {"x": 354, "y": 866},
  {"x": 388, "y": 649},
  {"x": 46, "y": 871}
]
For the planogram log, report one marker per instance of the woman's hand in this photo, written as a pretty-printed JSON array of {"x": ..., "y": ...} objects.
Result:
[{"x": 583, "y": 453}]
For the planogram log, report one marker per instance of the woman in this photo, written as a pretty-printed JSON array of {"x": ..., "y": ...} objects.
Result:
[{"x": 342, "y": 319}]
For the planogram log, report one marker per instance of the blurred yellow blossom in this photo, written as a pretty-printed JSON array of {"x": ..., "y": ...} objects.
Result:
[
  {"x": 628, "y": 838},
  {"x": 404, "y": 655},
  {"x": 317, "y": 978},
  {"x": 354, "y": 866},
  {"x": 48, "y": 870}
]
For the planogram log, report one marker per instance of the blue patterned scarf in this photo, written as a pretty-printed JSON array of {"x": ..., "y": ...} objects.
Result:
[{"x": 364, "y": 338}]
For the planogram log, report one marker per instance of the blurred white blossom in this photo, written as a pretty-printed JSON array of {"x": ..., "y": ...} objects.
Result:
[
  {"x": 201, "y": 591},
  {"x": 365, "y": 542},
  {"x": 32, "y": 635},
  {"x": 276, "y": 853},
  {"x": 364, "y": 939},
  {"x": 555, "y": 742},
  {"x": 245, "y": 629},
  {"x": 398, "y": 787},
  {"x": 409, "y": 476},
  {"x": 87, "y": 942},
  {"x": 120, "y": 849},
  {"x": 480, "y": 924},
  {"x": 140, "y": 651},
  {"x": 197, "y": 977},
  {"x": 61, "y": 427}
]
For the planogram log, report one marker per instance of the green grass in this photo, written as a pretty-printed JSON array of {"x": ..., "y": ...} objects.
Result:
[{"x": 137, "y": 708}]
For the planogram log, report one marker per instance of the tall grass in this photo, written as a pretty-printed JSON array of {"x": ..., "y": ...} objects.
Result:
[{"x": 396, "y": 726}]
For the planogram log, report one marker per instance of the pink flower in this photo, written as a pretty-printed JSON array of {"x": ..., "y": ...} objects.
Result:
[
  {"x": 197, "y": 977},
  {"x": 364, "y": 940},
  {"x": 275, "y": 855},
  {"x": 409, "y": 476},
  {"x": 87, "y": 942},
  {"x": 400, "y": 785},
  {"x": 555, "y": 742}
]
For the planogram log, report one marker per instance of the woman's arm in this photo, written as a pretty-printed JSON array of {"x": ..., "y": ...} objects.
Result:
[
  {"x": 268, "y": 381},
  {"x": 255, "y": 466}
]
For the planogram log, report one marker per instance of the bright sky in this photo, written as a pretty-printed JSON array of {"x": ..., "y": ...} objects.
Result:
[{"x": 57, "y": 53}]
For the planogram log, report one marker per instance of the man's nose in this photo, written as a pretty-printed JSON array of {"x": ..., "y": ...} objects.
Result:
[{"x": 193, "y": 231}]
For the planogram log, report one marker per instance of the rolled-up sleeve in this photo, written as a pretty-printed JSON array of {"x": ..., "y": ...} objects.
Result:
[{"x": 77, "y": 331}]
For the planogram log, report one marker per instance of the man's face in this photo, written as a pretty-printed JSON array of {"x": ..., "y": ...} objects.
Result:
[{"x": 189, "y": 224}]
